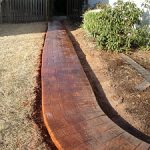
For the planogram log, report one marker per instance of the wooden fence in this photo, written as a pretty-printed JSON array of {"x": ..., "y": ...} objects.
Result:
[
  {"x": 17, "y": 11},
  {"x": 74, "y": 8}
]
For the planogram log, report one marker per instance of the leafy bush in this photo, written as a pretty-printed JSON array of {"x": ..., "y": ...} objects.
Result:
[
  {"x": 100, "y": 5},
  {"x": 117, "y": 28}
]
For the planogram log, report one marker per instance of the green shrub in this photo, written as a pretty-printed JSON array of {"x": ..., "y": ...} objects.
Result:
[
  {"x": 117, "y": 28},
  {"x": 100, "y": 5}
]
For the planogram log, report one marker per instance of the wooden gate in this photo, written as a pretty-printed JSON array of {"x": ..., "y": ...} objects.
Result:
[
  {"x": 74, "y": 8},
  {"x": 16, "y": 11}
]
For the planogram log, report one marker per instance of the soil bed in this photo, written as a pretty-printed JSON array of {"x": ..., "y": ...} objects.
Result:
[
  {"x": 142, "y": 57},
  {"x": 117, "y": 79},
  {"x": 20, "y": 54}
]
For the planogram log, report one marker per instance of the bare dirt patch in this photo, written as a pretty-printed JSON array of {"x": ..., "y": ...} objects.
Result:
[
  {"x": 142, "y": 57},
  {"x": 20, "y": 51},
  {"x": 117, "y": 78}
]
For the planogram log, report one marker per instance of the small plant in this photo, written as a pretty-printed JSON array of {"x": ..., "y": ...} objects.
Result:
[{"x": 117, "y": 28}]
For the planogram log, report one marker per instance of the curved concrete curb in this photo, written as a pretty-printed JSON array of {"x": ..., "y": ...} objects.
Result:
[{"x": 71, "y": 113}]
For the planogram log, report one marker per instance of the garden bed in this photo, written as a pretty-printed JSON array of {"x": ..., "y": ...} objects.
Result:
[
  {"x": 117, "y": 78},
  {"x": 142, "y": 57}
]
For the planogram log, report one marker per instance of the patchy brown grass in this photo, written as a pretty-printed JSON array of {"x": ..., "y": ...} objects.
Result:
[{"x": 20, "y": 50}]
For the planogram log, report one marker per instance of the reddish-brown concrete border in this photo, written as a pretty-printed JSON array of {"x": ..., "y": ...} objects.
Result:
[{"x": 72, "y": 116}]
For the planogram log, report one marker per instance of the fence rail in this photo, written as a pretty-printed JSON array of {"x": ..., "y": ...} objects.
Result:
[{"x": 16, "y": 11}]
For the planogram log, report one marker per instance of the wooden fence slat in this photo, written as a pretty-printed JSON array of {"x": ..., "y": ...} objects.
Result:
[
  {"x": 0, "y": 13},
  {"x": 15, "y": 11}
]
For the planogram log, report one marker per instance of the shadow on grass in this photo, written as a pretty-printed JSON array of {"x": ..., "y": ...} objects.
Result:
[
  {"x": 21, "y": 28},
  {"x": 100, "y": 94}
]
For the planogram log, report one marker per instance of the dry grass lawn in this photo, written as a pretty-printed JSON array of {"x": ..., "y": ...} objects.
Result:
[{"x": 20, "y": 49}]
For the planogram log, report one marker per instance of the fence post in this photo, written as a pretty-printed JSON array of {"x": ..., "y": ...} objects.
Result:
[{"x": 0, "y": 12}]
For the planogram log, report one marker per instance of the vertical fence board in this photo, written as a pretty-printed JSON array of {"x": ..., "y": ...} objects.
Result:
[
  {"x": 17, "y": 11},
  {"x": 74, "y": 8},
  {"x": 0, "y": 13}
]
